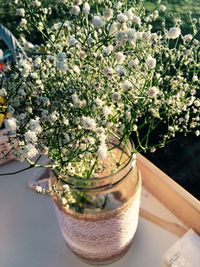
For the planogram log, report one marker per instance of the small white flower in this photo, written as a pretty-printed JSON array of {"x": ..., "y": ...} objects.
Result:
[
  {"x": 65, "y": 121},
  {"x": 127, "y": 85},
  {"x": 62, "y": 66},
  {"x": 153, "y": 91},
  {"x": 64, "y": 201},
  {"x": 102, "y": 152},
  {"x": 82, "y": 54},
  {"x": 61, "y": 62},
  {"x": 116, "y": 97},
  {"x": 54, "y": 116},
  {"x": 34, "y": 75},
  {"x": 120, "y": 57},
  {"x": 23, "y": 22},
  {"x": 118, "y": 5},
  {"x": 38, "y": 82},
  {"x": 121, "y": 37},
  {"x": 3, "y": 92},
  {"x": 75, "y": 99},
  {"x": 101, "y": 135},
  {"x": 195, "y": 78},
  {"x": 45, "y": 11},
  {"x": 72, "y": 41},
  {"x": 174, "y": 33},
  {"x": 66, "y": 187},
  {"x": 86, "y": 8},
  {"x": 39, "y": 189},
  {"x": 88, "y": 123},
  {"x": 98, "y": 102},
  {"x": 34, "y": 125},
  {"x": 97, "y": 21},
  {"x": 171, "y": 128},
  {"x": 139, "y": 35},
  {"x": 153, "y": 36},
  {"x": 106, "y": 111},
  {"x": 162, "y": 8},
  {"x": 30, "y": 137},
  {"x": 20, "y": 12},
  {"x": 37, "y": 3},
  {"x": 29, "y": 109},
  {"x": 122, "y": 18},
  {"x": 152, "y": 149},
  {"x": 91, "y": 140},
  {"x": 108, "y": 71},
  {"x": 37, "y": 61},
  {"x": 108, "y": 13},
  {"x": 75, "y": 10},
  {"x": 135, "y": 127},
  {"x": 146, "y": 36},
  {"x": 151, "y": 62},
  {"x": 133, "y": 63},
  {"x": 129, "y": 14},
  {"x": 197, "y": 132},
  {"x": 29, "y": 151},
  {"x": 11, "y": 124},
  {"x": 187, "y": 38},
  {"x": 61, "y": 56},
  {"x": 25, "y": 67},
  {"x": 155, "y": 14},
  {"x": 197, "y": 103},
  {"x": 76, "y": 70},
  {"x": 107, "y": 50},
  {"x": 121, "y": 71},
  {"x": 136, "y": 20},
  {"x": 128, "y": 115},
  {"x": 131, "y": 35}
]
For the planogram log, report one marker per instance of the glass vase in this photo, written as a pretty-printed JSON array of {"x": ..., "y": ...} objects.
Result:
[{"x": 103, "y": 229}]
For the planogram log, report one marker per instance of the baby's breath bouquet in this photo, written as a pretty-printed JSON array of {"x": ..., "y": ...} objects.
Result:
[{"x": 99, "y": 71}]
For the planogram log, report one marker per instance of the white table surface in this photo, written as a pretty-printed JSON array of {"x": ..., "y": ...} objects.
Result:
[{"x": 30, "y": 234}]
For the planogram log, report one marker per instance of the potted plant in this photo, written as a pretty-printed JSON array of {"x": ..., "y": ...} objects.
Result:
[{"x": 101, "y": 75}]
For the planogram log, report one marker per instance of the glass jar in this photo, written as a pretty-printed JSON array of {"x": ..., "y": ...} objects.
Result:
[{"x": 103, "y": 230}]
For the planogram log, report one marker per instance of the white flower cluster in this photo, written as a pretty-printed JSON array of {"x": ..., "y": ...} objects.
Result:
[{"x": 101, "y": 73}]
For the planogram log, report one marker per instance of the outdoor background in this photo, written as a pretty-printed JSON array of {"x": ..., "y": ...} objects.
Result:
[{"x": 181, "y": 158}]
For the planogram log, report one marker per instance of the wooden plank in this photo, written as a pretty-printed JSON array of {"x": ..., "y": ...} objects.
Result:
[
  {"x": 171, "y": 227},
  {"x": 180, "y": 202}
]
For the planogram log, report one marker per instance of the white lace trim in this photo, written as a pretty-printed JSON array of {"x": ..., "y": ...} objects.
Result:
[{"x": 102, "y": 238}]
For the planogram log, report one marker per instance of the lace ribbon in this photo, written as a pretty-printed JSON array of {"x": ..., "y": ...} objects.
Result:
[{"x": 102, "y": 238}]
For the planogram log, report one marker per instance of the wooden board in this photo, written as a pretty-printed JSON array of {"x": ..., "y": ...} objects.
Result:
[{"x": 176, "y": 199}]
